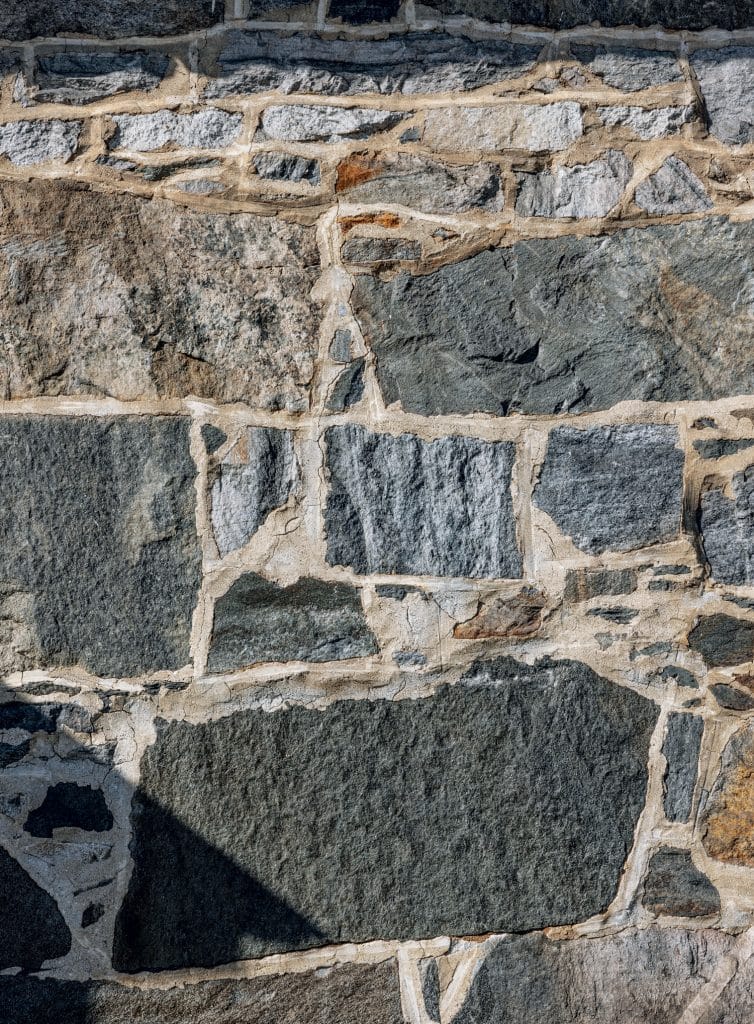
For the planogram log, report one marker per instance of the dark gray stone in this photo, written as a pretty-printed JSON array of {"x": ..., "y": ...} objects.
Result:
[
  {"x": 628, "y": 68},
  {"x": 340, "y": 346},
  {"x": 430, "y": 978},
  {"x": 31, "y": 718},
  {"x": 88, "y": 76},
  {"x": 286, "y": 167},
  {"x": 618, "y": 615},
  {"x": 32, "y": 929},
  {"x": 676, "y": 887},
  {"x": 361, "y": 12},
  {"x": 613, "y": 488},
  {"x": 726, "y": 78},
  {"x": 727, "y": 530},
  {"x": 68, "y": 805},
  {"x": 720, "y": 448},
  {"x": 380, "y": 250},
  {"x": 416, "y": 62},
  {"x": 583, "y": 584},
  {"x": 568, "y": 324},
  {"x": 681, "y": 676},
  {"x": 680, "y": 748},
  {"x": 257, "y": 621},
  {"x": 213, "y": 437},
  {"x": 722, "y": 640},
  {"x": 107, "y": 19},
  {"x": 402, "y": 505},
  {"x": 731, "y": 698},
  {"x": 348, "y": 388},
  {"x": 101, "y": 563},
  {"x": 349, "y": 994},
  {"x": 678, "y": 14},
  {"x": 262, "y": 832}
]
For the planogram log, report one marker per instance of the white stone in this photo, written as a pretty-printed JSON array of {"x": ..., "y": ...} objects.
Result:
[
  {"x": 36, "y": 142},
  {"x": 551, "y": 126},
  {"x": 647, "y": 124},
  {"x": 206, "y": 129},
  {"x": 300, "y": 123},
  {"x": 585, "y": 190}
]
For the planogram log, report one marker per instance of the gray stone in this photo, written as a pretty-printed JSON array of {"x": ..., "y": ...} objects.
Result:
[
  {"x": 721, "y": 448},
  {"x": 676, "y": 887},
  {"x": 568, "y": 324},
  {"x": 411, "y": 63},
  {"x": 536, "y": 129},
  {"x": 206, "y": 129},
  {"x": 200, "y": 186},
  {"x": 151, "y": 298},
  {"x": 613, "y": 488},
  {"x": 246, "y": 491},
  {"x": 620, "y": 616},
  {"x": 632, "y": 977},
  {"x": 37, "y": 142},
  {"x": 298, "y": 123},
  {"x": 584, "y": 584},
  {"x": 731, "y": 698},
  {"x": 380, "y": 250},
  {"x": 25, "y": 19},
  {"x": 678, "y": 14},
  {"x": 68, "y": 805},
  {"x": 340, "y": 346},
  {"x": 286, "y": 167},
  {"x": 361, "y": 12},
  {"x": 32, "y": 929},
  {"x": 419, "y": 183},
  {"x": 726, "y": 78},
  {"x": 348, "y": 994},
  {"x": 674, "y": 188},
  {"x": 727, "y": 530},
  {"x": 348, "y": 388},
  {"x": 647, "y": 124},
  {"x": 680, "y": 748},
  {"x": 257, "y": 621},
  {"x": 582, "y": 190},
  {"x": 722, "y": 640},
  {"x": 261, "y": 832},
  {"x": 89, "y": 76},
  {"x": 630, "y": 69},
  {"x": 102, "y": 564},
  {"x": 402, "y": 505}
]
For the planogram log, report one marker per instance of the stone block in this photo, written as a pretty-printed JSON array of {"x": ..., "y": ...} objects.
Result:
[
  {"x": 674, "y": 188},
  {"x": 361, "y": 12},
  {"x": 728, "y": 822},
  {"x": 673, "y": 14},
  {"x": 680, "y": 748},
  {"x": 582, "y": 190},
  {"x": 299, "y": 123},
  {"x": 535, "y": 129},
  {"x": 628, "y": 68},
  {"x": 206, "y": 129},
  {"x": 722, "y": 640},
  {"x": 38, "y": 142},
  {"x": 69, "y": 805},
  {"x": 380, "y": 250},
  {"x": 32, "y": 929},
  {"x": 726, "y": 79},
  {"x": 727, "y": 530},
  {"x": 286, "y": 167},
  {"x": 647, "y": 124},
  {"x": 674, "y": 886},
  {"x": 85, "y": 77},
  {"x": 26, "y": 19}
]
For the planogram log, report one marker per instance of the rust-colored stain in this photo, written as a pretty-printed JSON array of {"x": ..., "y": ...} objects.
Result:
[
  {"x": 729, "y": 832},
  {"x": 518, "y": 615},
  {"x": 357, "y": 168},
  {"x": 384, "y": 220}
]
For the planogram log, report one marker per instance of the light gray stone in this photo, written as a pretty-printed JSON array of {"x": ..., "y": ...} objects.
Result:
[
  {"x": 647, "y": 124},
  {"x": 37, "y": 142},
  {"x": 298, "y": 123},
  {"x": 261, "y": 832},
  {"x": 675, "y": 886},
  {"x": 630, "y": 69},
  {"x": 727, "y": 529},
  {"x": 582, "y": 190},
  {"x": 726, "y": 78},
  {"x": 613, "y": 488},
  {"x": 674, "y": 188},
  {"x": 89, "y": 76},
  {"x": 680, "y": 748},
  {"x": 286, "y": 167},
  {"x": 402, "y": 505},
  {"x": 536, "y": 129},
  {"x": 206, "y": 129},
  {"x": 255, "y": 478}
]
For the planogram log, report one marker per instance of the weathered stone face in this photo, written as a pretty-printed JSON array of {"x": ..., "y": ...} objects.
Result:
[
  {"x": 727, "y": 529},
  {"x": 207, "y": 129},
  {"x": 25, "y": 19},
  {"x": 674, "y": 886},
  {"x": 613, "y": 488},
  {"x": 674, "y": 188},
  {"x": 723, "y": 640},
  {"x": 628, "y": 68},
  {"x": 294, "y": 123},
  {"x": 282, "y": 167},
  {"x": 87, "y": 77},
  {"x": 680, "y": 749},
  {"x": 568, "y": 324},
  {"x": 552, "y": 126},
  {"x": 728, "y": 824},
  {"x": 398, "y": 504},
  {"x": 32, "y": 929},
  {"x": 293, "y": 826},
  {"x": 109, "y": 294},
  {"x": 726, "y": 78},
  {"x": 568, "y": 13},
  {"x": 101, "y": 564},
  {"x": 360, "y": 12},
  {"x": 647, "y": 124},
  {"x": 38, "y": 142},
  {"x": 68, "y": 805},
  {"x": 584, "y": 190}
]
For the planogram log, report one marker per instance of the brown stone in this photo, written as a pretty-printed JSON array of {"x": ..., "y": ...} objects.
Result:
[
  {"x": 729, "y": 816},
  {"x": 505, "y": 615}
]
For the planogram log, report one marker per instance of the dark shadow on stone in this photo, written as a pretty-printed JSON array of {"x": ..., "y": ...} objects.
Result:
[
  {"x": 68, "y": 805},
  {"x": 32, "y": 928}
]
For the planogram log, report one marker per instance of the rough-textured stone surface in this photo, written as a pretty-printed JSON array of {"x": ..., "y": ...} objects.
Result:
[
  {"x": 25, "y": 19},
  {"x": 32, "y": 929},
  {"x": 348, "y": 389},
  {"x": 731, "y": 698},
  {"x": 727, "y": 529},
  {"x": 255, "y": 478},
  {"x": 721, "y": 448},
  {"x": 676, "y": 887},
  {"x": 647, "y": 124},
  {"x": 613, "y": 488},
  {"x": 257, "y": 621},
  {"x": 584, "y": 584},
  {"x": 628, "y": 68},
  {"x": 109, "y": 294},
  {"x": 674, "y": 188},
  {"x": 551, "y": 126},
  {"x": 419, "y": 183},
  {"x": 86, "y": 77},
  {"x": 206, "y": 129},
  {"x": 413, "y": 63},
  {"x": 68, "y": 805},
  {"x": 260, "y": 832},
  {"x": 101, "y": 564},
  {"x": 399, "y": 504},
  {"x": 632, "y": 977},
  {"x": 379, "y": 250},
  {"x": 680, "y": 748},
  {"x": 284, "y": 167},
  {"x": 38, "y": 142},
  {"x": 351, "y": 994},
  {"x": 728, "y": 825},
  {"x": 723, "y": 640},
  {"x": 568, "y": 324},
  {"x": 726, "y": 78},
  {"x": 506, "y": 615},
  {"x": 583, "y": 190},
  {"x": 295, "y": 123},
  {"x": 361, "y": 12},
  {"x": 678, "y": 14}
]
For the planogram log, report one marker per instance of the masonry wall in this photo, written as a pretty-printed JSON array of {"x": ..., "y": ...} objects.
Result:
[{"x": 377, "y": 512}]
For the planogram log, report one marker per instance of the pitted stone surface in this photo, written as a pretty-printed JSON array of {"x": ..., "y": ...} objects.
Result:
[
  {"x": 674, "y": 188},
  {"x": 727, "y": 529},
  {"x": 108, "y": 294},
  {"x": 402, "y": 505},
  {"x": 207, "y": 129},
  {"x": 107, "y": 19},
  {"x": 38, "y": 142},
  {"x": 723, "y": 640},
  {"x": 674, "y": 886},
  {"x": 726, "y": 78},
  {"x": 32, "y": 929},
  {"x": 647, "y": 124},
  {"x": 311, "y": 620},
  {"x": 568, "y": 324},
  {"x": 294, "y": 123},
  {"x": 728, "y": 823},
  {"x": 628, "y": 68},
  {"x": 261, "y": 832},
  {"x": 583, "y": 190},
  {"x": 613, "y": 488},
  {"x": 284, "y": 167},
  {"x": 551, "y": 126},
  {"x": 86, "y": 77},
  {"x": 101, "y": 565},
  {"x": 380, "y": 250},
  {"x": 680, "y": 748}
]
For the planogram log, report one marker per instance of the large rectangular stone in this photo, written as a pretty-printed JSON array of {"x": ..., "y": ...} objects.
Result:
[
  {"x": 112, "y": 294},
  {"x": 534, "y": 128},
  {"x": 108, "y": 19},
  {"x": 38, "y": 142},
  {"x": 568, "y": 324},
  {"x": 726, "y": 79},
  {"x": 402, "y": 505},
  {"x": 507, "y": 802},
  {"x": 85, "y": 77}
]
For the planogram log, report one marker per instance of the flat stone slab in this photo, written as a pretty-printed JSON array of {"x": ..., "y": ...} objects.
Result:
[
  {"x": 505, "y": 803},
  {"x": 675, "y": 886},
  {"x": 680, "y": 748},
  {"x": 568, "y": 324},
  {"x": 678, "y": 14},
  {"x": 111, "y": 294},
  {"x": 101, "y": 563},
  {"x": 106, "y": 20},
  {"x": 89, "y": 76}
]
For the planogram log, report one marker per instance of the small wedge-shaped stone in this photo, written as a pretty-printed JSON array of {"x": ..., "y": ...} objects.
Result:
[{"x": 674, "y": 188}]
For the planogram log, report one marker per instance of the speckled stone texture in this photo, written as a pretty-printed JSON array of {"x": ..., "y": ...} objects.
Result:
[{"x": 26, "y": 19}]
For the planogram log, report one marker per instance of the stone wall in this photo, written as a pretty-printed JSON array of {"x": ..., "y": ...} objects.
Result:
[{"x": 377, "y": 512}]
